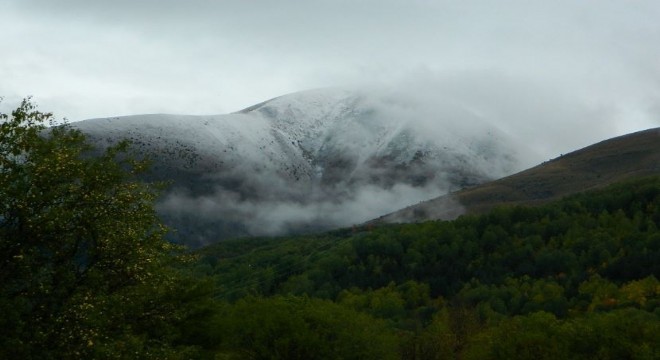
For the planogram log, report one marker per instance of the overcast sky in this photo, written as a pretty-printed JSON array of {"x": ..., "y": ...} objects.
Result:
[{"x": 93, "y": 58}]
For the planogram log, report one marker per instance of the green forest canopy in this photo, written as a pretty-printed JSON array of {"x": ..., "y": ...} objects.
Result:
[{"x": 578, "y": 278}]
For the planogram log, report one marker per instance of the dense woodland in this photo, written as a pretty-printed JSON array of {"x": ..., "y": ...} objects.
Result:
[
  {"x": 577, "y": 278},
  {"x": 86, "y": 273}
]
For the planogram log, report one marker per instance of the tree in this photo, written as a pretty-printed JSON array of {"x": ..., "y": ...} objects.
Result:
[
  {"x": 289, "y": 327},
  {"x": 83, "y": 261}
]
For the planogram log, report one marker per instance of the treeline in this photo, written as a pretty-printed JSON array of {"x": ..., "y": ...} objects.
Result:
[{"x": 576, "y": 278}]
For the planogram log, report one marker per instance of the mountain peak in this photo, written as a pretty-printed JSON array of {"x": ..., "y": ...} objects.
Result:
[{"x": 310, "y": 160}]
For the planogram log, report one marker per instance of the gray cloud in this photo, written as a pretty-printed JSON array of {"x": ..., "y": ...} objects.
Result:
[
  {"x": 279, "y": 216},
  {"x": 551, "y": 76},
  {"x": 533, "y": 67}
]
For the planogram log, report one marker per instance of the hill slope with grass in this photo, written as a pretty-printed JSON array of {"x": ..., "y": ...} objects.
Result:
[{"x": 598, "y": 165}]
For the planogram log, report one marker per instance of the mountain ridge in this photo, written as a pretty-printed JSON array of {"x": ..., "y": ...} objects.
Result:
[
  {"x": 594, "y": 166},
  {"x": 307, "y": 161}
]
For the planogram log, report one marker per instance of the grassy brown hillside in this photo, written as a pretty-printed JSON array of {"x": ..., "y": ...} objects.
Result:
[{"x": 620, "y": 158}]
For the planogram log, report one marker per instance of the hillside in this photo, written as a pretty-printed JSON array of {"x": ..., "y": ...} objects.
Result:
[
  {"x": 576, "y": 278},
  {"x": 617, "y": 159}
]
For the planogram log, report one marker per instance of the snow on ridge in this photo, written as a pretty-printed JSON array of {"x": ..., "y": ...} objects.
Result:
[
  {"x": 299, "y": 130},
  {"x": 308, "y": 116},
  {"x": 299, "y": 115}
]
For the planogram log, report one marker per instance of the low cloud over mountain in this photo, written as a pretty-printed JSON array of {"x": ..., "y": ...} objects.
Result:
[{"x": 308, "y": 161}]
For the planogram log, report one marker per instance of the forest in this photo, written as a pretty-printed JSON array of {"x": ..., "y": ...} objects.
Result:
[
  {"x": 574, "y": 279},
  {"x": 86, "y": 272}
]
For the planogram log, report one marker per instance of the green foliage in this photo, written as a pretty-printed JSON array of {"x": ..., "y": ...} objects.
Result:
[
  {"x": 301, "y": 328},
  {"x": 620, "y": 334},
  {"x": 566, "y": 242},
  {"x": 455, "y": 289},
  {"x": 84, "y": 269},
  {"x": 438, "y": 340}
]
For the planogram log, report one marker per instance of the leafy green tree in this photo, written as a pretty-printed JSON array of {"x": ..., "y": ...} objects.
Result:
[
  {"x": 84, "y": 268},
  {"x": 620, "y": 334},
  {"x": 301, "y": 328},
  {"x": 536, "y": 336},
  {"x": 438, "y": 340}
]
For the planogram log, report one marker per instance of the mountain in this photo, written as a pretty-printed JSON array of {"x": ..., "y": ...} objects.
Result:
[
  {"x": 307, "y": 161},
  {"x": 595, "y": 166}
]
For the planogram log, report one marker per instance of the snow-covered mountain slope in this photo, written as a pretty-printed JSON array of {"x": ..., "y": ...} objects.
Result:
[{"x": 307, "y": 161}]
